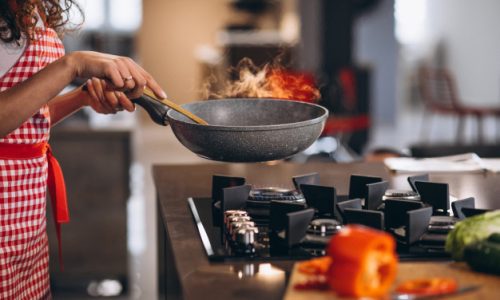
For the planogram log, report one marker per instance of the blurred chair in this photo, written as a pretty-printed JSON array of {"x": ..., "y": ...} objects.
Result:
[{"x": 438, "y": 90}]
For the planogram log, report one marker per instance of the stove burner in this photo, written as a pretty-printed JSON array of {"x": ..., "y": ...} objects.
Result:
[
  {"x": 442, "y": 220},
  {"x": 401, "y": 195},
  {"x": 324, "y": 227},
  {"x": 441, "y": 224},
  {"x": 319, "y": 233},
  {"x": 259, "y": 201},
  {"x": 263, "y": 196}
]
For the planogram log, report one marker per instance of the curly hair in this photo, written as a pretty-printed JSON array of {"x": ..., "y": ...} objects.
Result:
[{"x": 18, "y": 17}]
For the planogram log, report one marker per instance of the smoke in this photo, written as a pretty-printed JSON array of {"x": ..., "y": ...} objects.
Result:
[{"x": 269, "y": 81}]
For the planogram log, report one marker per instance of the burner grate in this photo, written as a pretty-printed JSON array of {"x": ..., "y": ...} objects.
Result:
[{"x": 289, "y": 226}]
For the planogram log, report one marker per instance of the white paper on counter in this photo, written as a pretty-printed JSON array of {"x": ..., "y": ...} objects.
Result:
[
  {"x": 491, "y": 164},
  {"x": 468, "y": 162}
]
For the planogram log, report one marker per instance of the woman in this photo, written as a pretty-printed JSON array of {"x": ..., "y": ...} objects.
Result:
[{"x": 33, "y": 71}]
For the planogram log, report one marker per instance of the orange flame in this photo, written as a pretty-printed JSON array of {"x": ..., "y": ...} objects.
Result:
[
  {"x": 292, "y": 85},
  {"x": 269, "y": 82}
]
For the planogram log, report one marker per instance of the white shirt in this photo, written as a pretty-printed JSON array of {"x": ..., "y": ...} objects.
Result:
[{"x": 10, "y": 54}]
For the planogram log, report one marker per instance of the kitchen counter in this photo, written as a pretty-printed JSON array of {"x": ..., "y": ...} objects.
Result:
[{"x": 184, "y": 270}]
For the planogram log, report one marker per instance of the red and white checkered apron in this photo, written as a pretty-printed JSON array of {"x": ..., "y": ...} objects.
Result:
[{"x": 23, "y": 183}]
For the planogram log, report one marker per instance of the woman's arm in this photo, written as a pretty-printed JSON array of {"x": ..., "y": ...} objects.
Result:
[
  {"x": 23, "y": 100},
  {"x": 65, "y": 105},
  {"x": 20, "y": 102}
]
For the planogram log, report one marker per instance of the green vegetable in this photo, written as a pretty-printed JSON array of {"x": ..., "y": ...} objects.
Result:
[
  {"x": 495, "y": 237},
  {"x": 484, "y": 256},
  {"x": 471, "y": 230}
]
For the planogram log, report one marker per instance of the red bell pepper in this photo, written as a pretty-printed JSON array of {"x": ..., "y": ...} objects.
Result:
[{"x": 364, "y": 262}]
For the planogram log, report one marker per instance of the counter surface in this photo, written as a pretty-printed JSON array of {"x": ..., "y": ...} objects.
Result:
[{"x": 184, "y": 270}]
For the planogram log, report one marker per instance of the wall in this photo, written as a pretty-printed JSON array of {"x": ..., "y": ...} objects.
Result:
[
  {"x": 469, "y": 30},
  {"x": 309, "y": 50},
  {"x": 170, "y": 33},
  {"x": 376, "y": 47}
]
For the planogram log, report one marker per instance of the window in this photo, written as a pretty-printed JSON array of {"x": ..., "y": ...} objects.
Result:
[
  {"x": 410, "y": 19},
  {"x": 113, "y": 15}
]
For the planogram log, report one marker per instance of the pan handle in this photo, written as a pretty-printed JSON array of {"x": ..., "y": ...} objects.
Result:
[{"x": 156, "y": 111}]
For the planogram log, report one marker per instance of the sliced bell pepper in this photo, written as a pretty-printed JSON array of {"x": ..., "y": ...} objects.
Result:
[
  {"x": 428, "y": 286},
  {"x": 315, "y": 266},
  {"x": 314, "y": 284},
  {"x": 364, "y": 262}
]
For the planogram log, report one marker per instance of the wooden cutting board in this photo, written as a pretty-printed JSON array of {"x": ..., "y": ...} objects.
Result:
[{"x": 489, "y": 284}]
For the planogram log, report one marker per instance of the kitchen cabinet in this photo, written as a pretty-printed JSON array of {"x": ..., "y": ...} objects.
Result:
[
  {"x": 96, "y": 167},
  {"x": 184, "y": 270}
]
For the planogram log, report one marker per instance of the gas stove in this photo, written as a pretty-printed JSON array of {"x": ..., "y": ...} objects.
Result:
[{"x": 245, "y": 222}]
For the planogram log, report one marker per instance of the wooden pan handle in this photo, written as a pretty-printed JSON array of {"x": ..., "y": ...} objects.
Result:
[{"x": 175, "y": 107}]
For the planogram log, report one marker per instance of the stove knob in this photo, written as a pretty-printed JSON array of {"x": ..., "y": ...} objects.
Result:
[
  {"x": 233, "y": 213},
  {"x": 236, "y": 219},
  {"x": 236, "y": 225},
  {"x": 246, "y": 235}
]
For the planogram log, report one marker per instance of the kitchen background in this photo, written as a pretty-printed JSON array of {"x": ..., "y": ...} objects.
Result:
[{"x": 364, "y": 56}]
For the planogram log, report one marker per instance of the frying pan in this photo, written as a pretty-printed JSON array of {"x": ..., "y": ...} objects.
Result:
[{"x": 242, "y": 129}]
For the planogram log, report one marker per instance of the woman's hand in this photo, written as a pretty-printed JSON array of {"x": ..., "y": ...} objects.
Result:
[
  {"x": 122, "y": 73},
  {"x": 103, "y": 98}
]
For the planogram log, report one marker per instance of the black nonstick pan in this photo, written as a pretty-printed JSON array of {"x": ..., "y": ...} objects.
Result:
[{"x": 242, "y": 129}]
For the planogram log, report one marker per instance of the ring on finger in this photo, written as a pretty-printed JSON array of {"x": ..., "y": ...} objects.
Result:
[{"x": 125, "y": 79}]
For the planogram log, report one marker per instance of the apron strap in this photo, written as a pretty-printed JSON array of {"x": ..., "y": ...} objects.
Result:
[
  {"x": 57, "y": 190},
  {"x": 41, "y": 13}
]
